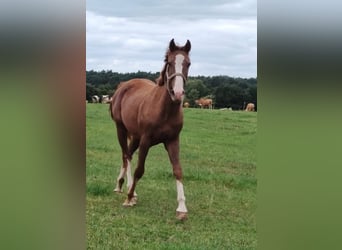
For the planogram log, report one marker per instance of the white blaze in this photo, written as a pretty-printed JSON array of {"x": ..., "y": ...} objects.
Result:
[{"x": 178, "y": 87}]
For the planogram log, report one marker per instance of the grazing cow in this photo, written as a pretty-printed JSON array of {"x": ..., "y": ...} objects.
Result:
[
  {"x": 186, "y": 105},
  {"x": 250, "y": 107},
  {"x": 205, "y": 102},
  {"x": 149, "y": 114},
  {"x": 105, "y": 99},
  {"x": 95, "y": 99}
]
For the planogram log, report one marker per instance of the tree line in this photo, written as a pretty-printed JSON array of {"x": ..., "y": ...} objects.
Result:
[{"x": 226, "y": 92}]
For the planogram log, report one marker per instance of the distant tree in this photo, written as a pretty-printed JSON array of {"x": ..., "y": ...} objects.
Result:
[
  {"x": 229, "y": 96},
  {"x": 226, "y": 91},
  {"x": 191, "y": 96},
  {"x": 105, "y": 89},
  {"x": 195, "y": 89},
  {"x": 90, "y": 91},
  {"x": 222, "y": 97},
  {"x": 253, "y": 93}
]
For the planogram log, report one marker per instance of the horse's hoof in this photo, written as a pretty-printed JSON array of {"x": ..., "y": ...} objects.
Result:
[
  {"x": 134, "y": 200},
  {"x": 130, "y": 203},
  {"x": 181, "y": 216},
  {"x": 117, "y": 190}
]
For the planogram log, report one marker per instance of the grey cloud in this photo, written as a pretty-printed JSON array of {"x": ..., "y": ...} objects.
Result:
[
  {"x": 191, "y": 9},
  {"x": 131, "y": 41}
]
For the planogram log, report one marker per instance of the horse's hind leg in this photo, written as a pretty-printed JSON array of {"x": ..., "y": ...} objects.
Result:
[
  {"x": 122, "y": 137},
  {"x": 133, "y": 145}
]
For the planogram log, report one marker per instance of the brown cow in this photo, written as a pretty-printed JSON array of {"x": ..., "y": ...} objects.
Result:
[
  {"x": 205, "y": 102},
  {"x": 250, "y": 107}
]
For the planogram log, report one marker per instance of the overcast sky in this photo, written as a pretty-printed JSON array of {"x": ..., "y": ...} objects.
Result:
[{"x": 127, "y": 36}]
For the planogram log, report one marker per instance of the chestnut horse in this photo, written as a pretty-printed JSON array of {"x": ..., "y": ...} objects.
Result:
[{"x": 146, "y": 114}]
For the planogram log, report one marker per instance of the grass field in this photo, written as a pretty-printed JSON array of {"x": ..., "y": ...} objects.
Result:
[{"x": 218, "y": 157}]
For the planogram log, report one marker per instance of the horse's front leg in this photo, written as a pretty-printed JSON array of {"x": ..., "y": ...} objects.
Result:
[
  {"x": 138, "y": 173},
  {"x": 172, "y": 148},
  {"x": 120, "y": 180}
]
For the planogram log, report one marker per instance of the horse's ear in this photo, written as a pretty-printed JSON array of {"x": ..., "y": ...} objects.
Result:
[
  {"x": 172, "y": 45},
  {"x": 187, "y": 46}
]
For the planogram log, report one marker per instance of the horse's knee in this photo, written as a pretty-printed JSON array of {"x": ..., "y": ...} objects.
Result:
[
  {"x": 126, "y": 157},
  {"x": 177, "y": 172}
]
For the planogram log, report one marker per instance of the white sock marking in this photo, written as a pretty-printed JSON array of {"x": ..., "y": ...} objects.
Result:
[
  {"x": 180, "y": 198},
  {"x": 129, "y": 177},
  {"x": 129, "y": 174},
  {"x": 121, "y": 175}
]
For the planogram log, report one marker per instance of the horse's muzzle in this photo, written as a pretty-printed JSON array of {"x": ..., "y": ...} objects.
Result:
[{"x": 177, "y": 96}]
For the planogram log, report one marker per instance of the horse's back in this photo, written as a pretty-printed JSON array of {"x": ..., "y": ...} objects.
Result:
[{"x": 128, "y": 96}]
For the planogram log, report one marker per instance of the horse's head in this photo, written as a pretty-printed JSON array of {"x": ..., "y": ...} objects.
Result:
[{"x": 175, "y": 71}]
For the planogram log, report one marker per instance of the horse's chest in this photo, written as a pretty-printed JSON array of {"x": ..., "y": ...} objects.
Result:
[
  {"x": 165, "y": 132},
  {"x": 160, "y": 127}
]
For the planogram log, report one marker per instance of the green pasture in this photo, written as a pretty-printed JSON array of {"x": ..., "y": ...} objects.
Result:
[{"x": 218, "y": 157}]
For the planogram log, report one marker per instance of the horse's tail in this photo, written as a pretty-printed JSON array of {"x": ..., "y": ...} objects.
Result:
[
  {"x": 110, "y": 108},
  {"x": 116, "y": 98}
]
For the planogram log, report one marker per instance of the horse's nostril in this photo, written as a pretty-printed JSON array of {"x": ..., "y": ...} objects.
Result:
[
  {"x": 183, "y": 92},
  {"x": 172, "y": 92}
]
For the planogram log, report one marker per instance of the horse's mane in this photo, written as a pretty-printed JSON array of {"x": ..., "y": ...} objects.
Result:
[{"x": 160, "y": 79}]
